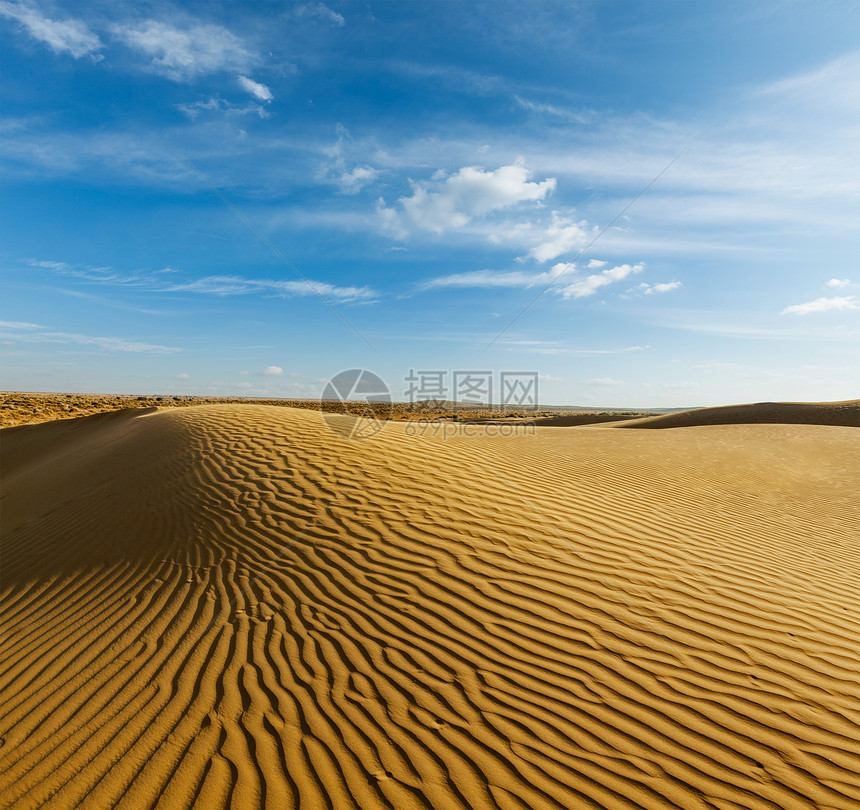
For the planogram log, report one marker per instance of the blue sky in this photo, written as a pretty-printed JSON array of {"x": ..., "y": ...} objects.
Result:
[{"x": 249, "y": 197}]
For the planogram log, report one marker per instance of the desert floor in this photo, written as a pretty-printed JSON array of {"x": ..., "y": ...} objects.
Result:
[
  {"x": 250, "y": 606},
  {"x": 20, "y": 408}
]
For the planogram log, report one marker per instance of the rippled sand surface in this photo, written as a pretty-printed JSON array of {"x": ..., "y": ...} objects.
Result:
[{"x": 240, "y": 606}]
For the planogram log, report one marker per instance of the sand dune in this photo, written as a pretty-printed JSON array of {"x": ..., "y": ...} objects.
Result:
[
  {"x": 236, "y": 606},
  {"x": 846, "y": 414}
]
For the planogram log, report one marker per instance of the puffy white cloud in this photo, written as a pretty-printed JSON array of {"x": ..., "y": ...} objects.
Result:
[
  {"x": 321, "y": 12},
  {"x": 61, "y": 36},
  {"x": 272, "y": 371},
  {"x": 838, "y": 282},
  {"x": 184, "y": 54},
  {"x": 824, "y": 305},
  {"x": 352, "y": 182},
  {"x": 561, "y": 236},
  {"x": 591, "y": 284},
  {"x": 651, "y": 289},
  {"x": 452, "y": 202},
  {"x": 259, "y": 91},
  {"x": 183, "y": 376},
  {"x": 667, "y": 286}
]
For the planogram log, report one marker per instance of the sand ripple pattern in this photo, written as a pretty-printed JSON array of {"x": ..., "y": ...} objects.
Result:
[{"x": 236, "y": 607}]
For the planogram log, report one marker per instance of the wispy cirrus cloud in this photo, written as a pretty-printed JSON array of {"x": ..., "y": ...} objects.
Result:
[
  {"x": 238, "y": 285},
  {"x": 33, "y": 333},
  {"x": 320, "y": 11},
  {"x": 556, "y": 111},
  {"x": 256, "y": 89},
  {"x": 162, "y": 281},
  {"x": 836, "y": 303},
  {"x": 604, "y": 381},
  {"x": 61, "y": 36},
  {"x": 578, "y": 287},
  {"x": 488, "y": 279},
  {"x": 183, "y": 54},
  {"x": 218, "y": 104},
  {"x": 336, "y": 168}
]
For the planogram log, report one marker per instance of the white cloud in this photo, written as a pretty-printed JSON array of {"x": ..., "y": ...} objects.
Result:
[
  {"x": 488, "y": 279},
  {"x": 210, "y": 285},
  {"x": 236, "y": 285},
  {"x": 824, "y": 305},
  {"x": 272, "y": 371},
  {"x": 352, "y": 182},
  {"x": 32, "y": 333},
  {"x": 839, "y": 282},
  {"x": 831, "y": 86},
  {"x": 579, "y": 288},
  {"x": 183, "y": 376},
  {"x": 591, "y": 284},
  {"x": 61, "y": 36},
  {"x": 321, "y": 12},
  {"x": 259, "y": 91},
  {"x": 667, "y": 286},
  {"x": 192, "y": 110},
  {"x": 184, "y": 54},
  {"x": 48, "y": 265},
  {"x": 651, "y": 289},
  {"x": 445, "y": 203},
  {"x": 603, "y": 381},
  {"x": 579, "y": 117},
  {"x": 561, "y": 236}
]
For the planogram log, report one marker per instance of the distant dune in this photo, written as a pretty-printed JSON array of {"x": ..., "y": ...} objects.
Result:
[
  {"x": 238, "y": 606},
  {"x": 845, "y": 413}
]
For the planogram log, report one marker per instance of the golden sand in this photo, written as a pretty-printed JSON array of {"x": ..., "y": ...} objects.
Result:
[{"x": 237, "y": 606}]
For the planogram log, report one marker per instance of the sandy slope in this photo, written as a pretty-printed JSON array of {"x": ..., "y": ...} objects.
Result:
[
  {"x": 846, "y": 414},
  {"x": 235, "y": 606}
]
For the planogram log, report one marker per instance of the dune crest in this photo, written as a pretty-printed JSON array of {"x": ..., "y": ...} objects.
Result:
[
  {"x": 236, "y": 606},
  {"x": 844, "y": 414}
]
